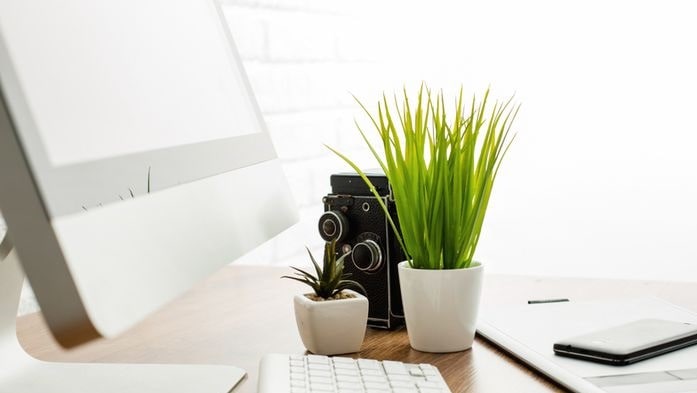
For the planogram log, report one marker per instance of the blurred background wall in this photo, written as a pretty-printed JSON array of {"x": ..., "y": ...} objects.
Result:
[{"x": 601, "y": 179}]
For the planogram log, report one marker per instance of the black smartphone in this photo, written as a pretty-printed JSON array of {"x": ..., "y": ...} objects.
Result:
[{"x": 629, "y": 343}]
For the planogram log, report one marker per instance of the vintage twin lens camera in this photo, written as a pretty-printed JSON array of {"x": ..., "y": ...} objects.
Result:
[{"x": 354, "y": 218}]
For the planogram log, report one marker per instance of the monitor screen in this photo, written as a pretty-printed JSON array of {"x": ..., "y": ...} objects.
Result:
[{"x": 113, "y": 103}]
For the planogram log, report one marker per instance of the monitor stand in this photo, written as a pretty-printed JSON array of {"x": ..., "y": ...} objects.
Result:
[{"x": 19, "y": 372}]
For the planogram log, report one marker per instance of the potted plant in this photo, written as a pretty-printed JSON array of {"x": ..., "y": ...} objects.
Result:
[
  {"x": 332, "y": 318},
  {"x": 441, "y": 167}
]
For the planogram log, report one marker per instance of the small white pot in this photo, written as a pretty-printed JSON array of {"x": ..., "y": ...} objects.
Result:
[
  {"x": 332, "y": 327},
  {"x": 440, "y": 306}
]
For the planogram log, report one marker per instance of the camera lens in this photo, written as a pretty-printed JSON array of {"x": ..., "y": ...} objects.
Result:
[
  {"x": 333, "y": 225},
  {"x": 367, "y": 256},
  {"x": 328, "y": 227}
]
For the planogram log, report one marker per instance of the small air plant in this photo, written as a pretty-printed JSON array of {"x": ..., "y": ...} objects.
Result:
[{"x": 329, "y": 281}]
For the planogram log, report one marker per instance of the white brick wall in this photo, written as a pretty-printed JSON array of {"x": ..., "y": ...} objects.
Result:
[{"x": 303, "y": 59}]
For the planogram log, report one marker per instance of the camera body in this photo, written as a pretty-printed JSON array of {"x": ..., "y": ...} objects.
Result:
[{"x": 353, "y": 216}]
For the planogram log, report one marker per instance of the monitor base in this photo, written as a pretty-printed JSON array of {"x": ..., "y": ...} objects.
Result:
[{"x": 21, "y": 373}]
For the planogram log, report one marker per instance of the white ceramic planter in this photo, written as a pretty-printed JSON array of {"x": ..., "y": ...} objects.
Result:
[
  {"x": 440, "y": 306},
  {"x": 332, "y": 327}
]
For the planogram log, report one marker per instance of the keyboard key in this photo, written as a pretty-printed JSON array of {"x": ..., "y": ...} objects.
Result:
[
  {"x": 345, "y": 366},
  {"x": 375, "y": 378},
  {"x": 371, "y": 372},
  {"x": 357, "y": 385},
  {"x": 368, "y": 364},
  {"x": 377, "y": 386},
  {"x": 343, "y": 360},
  {"x": 404, "y": 390},
  {"x": 297, "y": 370},
  {"x": 429, "y": 371},
  {"x": 297, "y": 384},
  {"x": 345, "y": 371},
  {"x": 426, "y": 366},
  {"x": 314, "y": 359},
  {"x": 320, "y": 380},
  {"x": 392, "y": 367},
  {"x": 424, "y": 385},
  {"x": 317, "y": 366},
  {"x": 402, "y": 384},
  {"x": 321, "y": 387},
  {"x": 400, "y": 377},
  {"x": 416, "y": 372},
  {"x": 348, "y": 378},
  {"x": 434, "y": 378},
  {"x": 320, "y": 373},
  {"x": 431, "y": 390}
]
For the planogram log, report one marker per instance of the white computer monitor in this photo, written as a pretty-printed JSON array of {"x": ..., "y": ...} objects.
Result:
[{"x": 133, "y": 157}]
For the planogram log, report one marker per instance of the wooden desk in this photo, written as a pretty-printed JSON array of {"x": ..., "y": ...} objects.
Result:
[{"x": 243, "y": 312}]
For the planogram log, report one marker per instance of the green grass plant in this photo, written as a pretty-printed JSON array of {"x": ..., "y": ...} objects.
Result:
[
  {"x": 329, "y": 280},
  {"x": 441, "y": 166}
]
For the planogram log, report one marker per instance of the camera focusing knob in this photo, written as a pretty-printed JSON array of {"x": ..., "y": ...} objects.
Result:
[
  {"x": 333, "y": 225},
  {"x": 367, "y": 256}
]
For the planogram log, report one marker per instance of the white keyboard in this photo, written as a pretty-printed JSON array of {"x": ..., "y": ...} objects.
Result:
[{"x": 313, "y": 373}]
